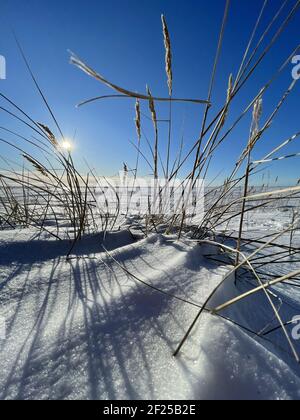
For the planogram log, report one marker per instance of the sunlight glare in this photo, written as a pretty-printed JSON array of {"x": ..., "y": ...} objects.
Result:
[{"x": 67, "y": 145}]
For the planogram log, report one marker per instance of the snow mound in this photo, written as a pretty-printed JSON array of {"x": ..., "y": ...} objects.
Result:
[{"x": 86, "y": 329}]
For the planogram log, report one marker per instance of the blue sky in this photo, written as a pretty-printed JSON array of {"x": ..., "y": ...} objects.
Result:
[{"x": 122, "y": 39}]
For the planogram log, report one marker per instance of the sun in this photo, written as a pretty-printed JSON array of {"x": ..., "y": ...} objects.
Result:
[{"x": 67, "y": 145}]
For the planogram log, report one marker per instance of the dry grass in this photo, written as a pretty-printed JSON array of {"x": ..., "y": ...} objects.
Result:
[{"x": 48, "y": 192}]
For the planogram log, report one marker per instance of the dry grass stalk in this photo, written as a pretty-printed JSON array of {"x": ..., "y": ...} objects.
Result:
[
  {"x": 256, "y": 116},
  {"x": 36, "y": 165},
  {"x": 124, "y": 92},
  {"x": 138, "y": 118},
  {"x": 229, "y": 88},
  {"x": 228, "y": 99},
  {"x": 49, "y": 134},
  {"x": 269, "y": 155},
  {"x": 77, "y": 202},
  {"x": 169, "y": 73},
  {"x": 154, "y": 120},
  {"x": 254, "y": 132},
  {"x": 231, "y": 272},
  {"x": 256, "y": 290},
  {"x": 152, "y": 109},
  {"x": 167, "y": 42}
]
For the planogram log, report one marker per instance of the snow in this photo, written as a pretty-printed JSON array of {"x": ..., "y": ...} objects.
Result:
[{"x": 85, "y": 329}]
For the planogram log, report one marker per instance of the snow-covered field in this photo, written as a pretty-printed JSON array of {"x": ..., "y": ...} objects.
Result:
[{"x": 86, "y": 329}]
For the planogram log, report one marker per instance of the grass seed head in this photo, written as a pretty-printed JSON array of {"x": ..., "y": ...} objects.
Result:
[
  {"x": 138, "y": 118},
  {"x": 49, "y": 134},
  {"x": 36, "y": 165},
  {"x": 167, "y": 42}
]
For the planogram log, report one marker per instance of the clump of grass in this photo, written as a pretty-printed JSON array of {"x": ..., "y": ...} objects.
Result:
[
  {"x": 50, "y": 189},
  {"x": 234, "y": 198}
]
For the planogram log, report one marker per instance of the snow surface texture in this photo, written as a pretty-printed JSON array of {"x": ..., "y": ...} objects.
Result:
[{"x": 84, "y": 329}]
